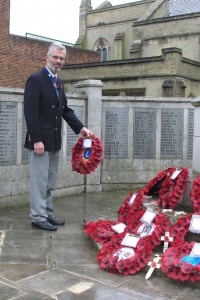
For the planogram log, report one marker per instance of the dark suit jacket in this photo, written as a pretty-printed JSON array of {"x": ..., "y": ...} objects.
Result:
[{"x": 44, "y": 112}]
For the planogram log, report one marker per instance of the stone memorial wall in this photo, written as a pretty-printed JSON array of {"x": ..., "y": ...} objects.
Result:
[
  {"x": 141, "y": 137},
  {"x": 144, "y": 136}
]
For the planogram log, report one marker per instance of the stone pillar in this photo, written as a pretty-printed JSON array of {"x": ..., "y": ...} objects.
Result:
[
  {"x": 93, "y": 91},
  {"x": 196, "y": 142}
]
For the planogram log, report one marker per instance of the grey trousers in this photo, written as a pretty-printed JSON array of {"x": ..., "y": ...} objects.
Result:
[{"x": 43, "y": 174}]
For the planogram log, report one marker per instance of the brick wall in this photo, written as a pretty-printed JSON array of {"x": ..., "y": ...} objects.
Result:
[{"x": 20, "y": 56}]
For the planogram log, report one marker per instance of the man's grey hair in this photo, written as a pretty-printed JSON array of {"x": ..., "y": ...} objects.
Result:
[{"x": 56, "y": 45}]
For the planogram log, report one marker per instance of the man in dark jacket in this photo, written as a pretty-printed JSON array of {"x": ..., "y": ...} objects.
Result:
[{"x": 45, "y": 105}]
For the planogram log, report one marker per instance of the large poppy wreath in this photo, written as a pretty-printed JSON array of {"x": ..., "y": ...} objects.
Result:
[
  {"x": 110, "y": 256},
  {"x": 155, "y": 184},
  {"x": 175, "y": 268},
  {"x": 195, "y": 194},
  {"x": 103, "y": 231},
  {"x": 132, "y": 204},
  {"x": 86, "y": 160},
  {"x": 172, "y": 190},
  {"x": 100, "y": 231},
  {"x": 154, "y": 231},
  {"x": 180, "y": 229},
  {"x": 172, "y": 263}
]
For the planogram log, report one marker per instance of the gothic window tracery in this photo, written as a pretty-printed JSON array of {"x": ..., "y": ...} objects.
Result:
[{"x": 101, "y": 47}]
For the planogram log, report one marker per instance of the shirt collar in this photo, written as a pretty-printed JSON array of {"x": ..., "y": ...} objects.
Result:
[{"x": 53, "y": 75}]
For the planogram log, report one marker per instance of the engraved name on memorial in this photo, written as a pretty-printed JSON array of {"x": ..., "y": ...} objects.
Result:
[
  {"x": 144, "y": 133},
  {"x": 116, "y": 132},
  {"x": 172, "y": 133},
  {"x": 71, "y": 136},
  {"x": 8, "y": 133}
]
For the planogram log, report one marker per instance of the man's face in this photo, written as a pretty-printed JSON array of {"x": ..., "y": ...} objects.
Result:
[{"x": 55, "y": 60}]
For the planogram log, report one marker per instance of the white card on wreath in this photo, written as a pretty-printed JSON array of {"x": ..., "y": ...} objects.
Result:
[
  {"x": 195, "y": 250},
  {"x": 87, "y": 143},
  {"x": 119, "y": 228},
  {"x": 195, "y": 224},
  {"x": 130, "y": 240},
  {"x": 124, "y": 253},
  {"x": 175, "y": 174},
  {"x": 148, "y": 216},
  {"x": 146, "y": 229},
  {"x": 132, "y": 199}
]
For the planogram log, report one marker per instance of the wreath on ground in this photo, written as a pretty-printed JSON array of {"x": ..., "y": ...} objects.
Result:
[
  {"x": 100, "y": 231},
  {"x": 180, "y": 229},
  {"x": 173, "y": 265},
  {"x": 195, "y": 194},
  {"x": 86, "y": 159},
  {"x": 155, "y": 184},
  {"x": 132, "y": 204},
  {"x": 116, "y": 258},
  {"x": 172, "y": 190},
  {"x": 154, "y": 231}
]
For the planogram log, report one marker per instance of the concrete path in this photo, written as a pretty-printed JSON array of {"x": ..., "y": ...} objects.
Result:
[{"x": 36, "y": 264}]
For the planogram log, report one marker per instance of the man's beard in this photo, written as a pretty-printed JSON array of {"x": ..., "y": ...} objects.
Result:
[{"x": 52, "y": 68}]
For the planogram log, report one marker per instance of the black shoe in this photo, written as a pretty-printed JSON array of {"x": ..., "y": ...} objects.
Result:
[
  {"x": 55, "y": 221},
  {"x": 45, "y": 225}
]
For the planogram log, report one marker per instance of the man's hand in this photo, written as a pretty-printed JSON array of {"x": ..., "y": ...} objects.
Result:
[
  {"x": 39, "y": 148},
  {"x": 84, "y": 131}
]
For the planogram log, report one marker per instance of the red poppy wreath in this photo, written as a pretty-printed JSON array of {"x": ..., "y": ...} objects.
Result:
[
  {"x": 87, "y": 154},
  {"x": 178, "y": 261},
  {"x": 195, "y": 194},
  {"x": 180, "y": 229},
  {"x": 173, "y": 189},
  {"x": 174, "y": 265},
  {"x": 155, "y": 184},
  {"x": 101, "y": 231},
  {"x": 153, "y": 231},
  {"x": 132, "y": 204},
  {"x": 118, "y": 259}
]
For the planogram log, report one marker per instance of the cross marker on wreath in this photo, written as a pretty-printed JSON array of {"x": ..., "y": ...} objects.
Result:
[
  {"x": 153, "y": 264},
  {"x": 166, "y": 238}
]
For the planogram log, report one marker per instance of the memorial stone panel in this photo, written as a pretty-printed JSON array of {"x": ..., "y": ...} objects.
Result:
[
  {"x": 8, "y": 133},
  {"x": 190, "y": 133},
  {"x": 172, "y": 133},
  {"x": 116, "y": 132},
  {"x": 71, "y": 136},
  {"x": 144, "y": 133}
]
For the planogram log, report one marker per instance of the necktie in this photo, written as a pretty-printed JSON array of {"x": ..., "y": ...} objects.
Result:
[{"x": 55, "y": 81}]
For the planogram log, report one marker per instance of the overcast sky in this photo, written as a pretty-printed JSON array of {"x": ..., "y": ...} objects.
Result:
[{"x": 56, "y": 19}]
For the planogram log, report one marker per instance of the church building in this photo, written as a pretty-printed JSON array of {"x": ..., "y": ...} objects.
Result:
[{"x": 147, "y": 48}]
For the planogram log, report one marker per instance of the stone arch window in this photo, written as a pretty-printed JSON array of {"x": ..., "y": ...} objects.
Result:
[{"x": 101, "y": 47}]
